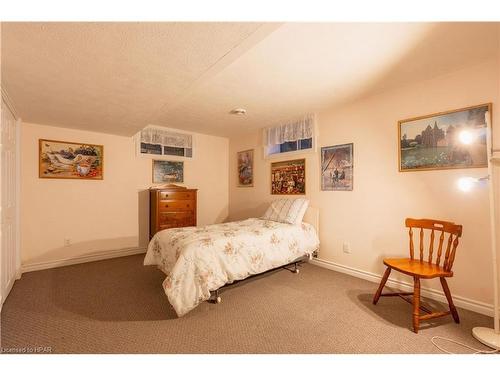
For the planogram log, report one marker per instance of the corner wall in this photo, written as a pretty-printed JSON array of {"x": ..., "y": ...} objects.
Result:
[
  {"x": 109, "y": 214},
  {"x": 371, "y": 218}
]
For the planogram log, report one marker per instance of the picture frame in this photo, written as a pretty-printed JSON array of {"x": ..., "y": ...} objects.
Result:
[
  {"x": 70, "y": 160},
  {"x": 288, "y": 177},
  {"x": 337, "y": 167},
  {"x": 245, "y": 164},
  {"x": 454, "y": 139},
  {"x": 167, "y": 171}
]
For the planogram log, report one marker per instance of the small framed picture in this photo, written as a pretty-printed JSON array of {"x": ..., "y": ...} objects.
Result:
[
  {"x": 445, "y": 140},
  {"x": 165, "y": 171},
  {"x": 337, "y": 167},
  {"x": 288, "y": 177},
  {"x": 245, "y": 168},
  {"x": 60, "y": 159}
]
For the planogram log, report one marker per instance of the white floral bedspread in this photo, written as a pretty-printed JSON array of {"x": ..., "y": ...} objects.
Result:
[{"x": 198, "y": 260}]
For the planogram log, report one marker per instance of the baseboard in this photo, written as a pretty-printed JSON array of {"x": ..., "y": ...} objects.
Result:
[
  {"x": 101, "y": 255},
  {"x": 463, "y": 302}
]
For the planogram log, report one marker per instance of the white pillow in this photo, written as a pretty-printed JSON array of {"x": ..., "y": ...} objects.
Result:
[{"x": 290, "y": 211}]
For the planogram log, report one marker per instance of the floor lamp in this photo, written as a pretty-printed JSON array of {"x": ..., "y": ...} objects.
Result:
[{"x": 489, "y": 336}]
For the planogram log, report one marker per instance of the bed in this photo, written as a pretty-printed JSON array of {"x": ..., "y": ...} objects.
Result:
[{"x": 200, "y": 260}]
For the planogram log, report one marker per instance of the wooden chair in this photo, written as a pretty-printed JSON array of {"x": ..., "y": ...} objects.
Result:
[{"x": 424, "y": 267}]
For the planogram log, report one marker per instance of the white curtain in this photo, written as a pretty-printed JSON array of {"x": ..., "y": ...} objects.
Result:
[
  {"x": 291, "y": 131},
  {"x": 166, "y": 138}
]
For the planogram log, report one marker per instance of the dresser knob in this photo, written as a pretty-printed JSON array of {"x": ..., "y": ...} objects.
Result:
[{"x": 166, "y": 205}]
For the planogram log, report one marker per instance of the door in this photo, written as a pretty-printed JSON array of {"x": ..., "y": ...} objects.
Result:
[{"x": 8, "y": 229}]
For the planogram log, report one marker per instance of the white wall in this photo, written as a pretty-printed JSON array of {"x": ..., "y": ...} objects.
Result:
[
  {"x": 113, "y": 213},
  {"x": 371, "y": 217}
]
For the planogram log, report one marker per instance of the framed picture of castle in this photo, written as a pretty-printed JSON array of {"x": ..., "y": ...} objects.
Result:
[{"x": 452, "y": 139}]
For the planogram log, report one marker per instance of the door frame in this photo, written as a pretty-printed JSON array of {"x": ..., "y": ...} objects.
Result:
[
  {"x": 10, "y": 107},
  {"x": 18, "y": 197}
]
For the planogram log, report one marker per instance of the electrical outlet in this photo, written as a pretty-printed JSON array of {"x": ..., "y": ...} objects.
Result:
[
  {"x": 346, "y": 247},
  {"x": 67, "y": 242}
]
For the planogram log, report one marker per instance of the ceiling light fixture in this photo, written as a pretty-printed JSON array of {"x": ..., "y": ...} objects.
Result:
[{"x": 238, "y": 111}]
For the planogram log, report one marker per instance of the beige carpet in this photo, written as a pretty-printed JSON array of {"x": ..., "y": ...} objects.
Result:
[{"x": 118, "y": 306}]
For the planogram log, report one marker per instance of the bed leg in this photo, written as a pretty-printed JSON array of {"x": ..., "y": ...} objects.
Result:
[
  {"x": 216, "y": 298},
  {"x": 295, "y": 268}
]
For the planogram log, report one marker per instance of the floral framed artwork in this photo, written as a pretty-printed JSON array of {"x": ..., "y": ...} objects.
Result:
[
  {"x": 288, "y": 177},
  {"x": 245, "y": 168},
  {"x": 70, "y": 160},
  {"x": 445, "y": 140},
  {"x": 337, "y": 167},
  {"x": 165, "y": 171}
]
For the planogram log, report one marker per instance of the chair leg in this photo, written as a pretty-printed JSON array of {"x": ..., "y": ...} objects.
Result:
[
  {"x": 381, "y": 286},
  {"x": 416, "y": 303},
  {"x": 447, "y": 293}
]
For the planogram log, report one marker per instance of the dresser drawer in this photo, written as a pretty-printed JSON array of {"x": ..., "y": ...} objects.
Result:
[
  {"x": 176, "y": 195},
  {"x": 186, "y": 205},
  {"x": 166, "y": 226},
  {"x": 175, "y": 219},
  {"x": 170, "y": 226}
]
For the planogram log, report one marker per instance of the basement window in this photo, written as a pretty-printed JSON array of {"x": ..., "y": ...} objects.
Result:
[
  {"x": 295, "y": 136},
  {"x": 302, "y": 144},
  {"x": 155, "y": 141}
]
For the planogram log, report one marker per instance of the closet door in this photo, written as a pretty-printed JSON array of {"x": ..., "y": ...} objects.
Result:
[{"x": 9, "y": 257}]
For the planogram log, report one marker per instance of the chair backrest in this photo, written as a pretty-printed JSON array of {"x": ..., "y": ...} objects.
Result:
[{"x": 453, "y": 230}]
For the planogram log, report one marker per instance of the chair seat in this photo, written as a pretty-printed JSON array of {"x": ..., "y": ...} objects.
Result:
[{"x": 415, "y": 267}]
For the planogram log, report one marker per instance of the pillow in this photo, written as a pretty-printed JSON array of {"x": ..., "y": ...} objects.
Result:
[{"x": 290, "y": 211}]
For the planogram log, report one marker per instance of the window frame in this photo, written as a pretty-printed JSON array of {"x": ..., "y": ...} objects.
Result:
[
  {"x": 278, "y": 155},
  {"x": 165, "y": 157}
]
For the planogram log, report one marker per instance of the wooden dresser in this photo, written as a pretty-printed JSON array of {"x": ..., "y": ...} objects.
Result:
[{"x": 171, "y": 206}]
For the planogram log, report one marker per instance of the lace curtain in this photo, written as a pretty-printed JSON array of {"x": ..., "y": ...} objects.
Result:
[
  {"x": 291, "y": 131},
  {"x": 166, "y": 138}
]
